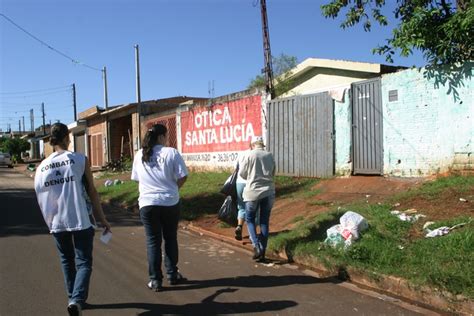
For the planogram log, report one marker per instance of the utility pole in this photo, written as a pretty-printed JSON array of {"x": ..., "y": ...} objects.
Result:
[
  {"x": 44, "y": 123},
  {"x": 106, "y": 104},
  {"x": 104, "y": 77},
  {"x": 74, "y": 100},
  {"x": 23, "y": 119},
  {"x": 19, "y": 126},
  {"x": 139, "y": 98},
  {"x": 32, "y": 120},
  {"x": 266, "y": 51}
]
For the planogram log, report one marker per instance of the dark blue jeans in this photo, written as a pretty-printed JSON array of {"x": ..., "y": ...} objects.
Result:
[
  {"x": 161, "y": 223},
  {"x": 75, "y": 252},
  {"x": 265, "y": 204}
]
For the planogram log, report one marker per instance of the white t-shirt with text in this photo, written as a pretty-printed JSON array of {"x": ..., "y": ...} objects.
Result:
[
  {"x": 61, "y": 194},
  {"x": 157, "y": 179}
]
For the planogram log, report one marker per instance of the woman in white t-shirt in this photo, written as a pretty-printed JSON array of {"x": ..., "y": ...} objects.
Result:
[
  {"x": 160, "y": 172},
  {"x": 63, "y": 185}
]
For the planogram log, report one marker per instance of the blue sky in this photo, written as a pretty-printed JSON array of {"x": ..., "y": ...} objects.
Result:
[{"x": 184, "y": 44}]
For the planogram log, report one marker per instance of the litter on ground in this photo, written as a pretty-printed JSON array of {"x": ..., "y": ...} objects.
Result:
[
  {"x": 348, "y": 231},
  {"x": 443, "y": 230},
  {"x": 407, "y": 218}
]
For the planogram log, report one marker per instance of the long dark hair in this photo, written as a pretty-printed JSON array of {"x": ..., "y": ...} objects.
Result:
[
  {"x": 58, "y": 132},
  {"x": 151, "y": 139}
]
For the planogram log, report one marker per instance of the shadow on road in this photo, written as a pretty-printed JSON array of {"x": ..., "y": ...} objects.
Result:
[
  {"x": 252, "y": 281},
  {"x": 206, "y": 307},
  {"x": 20, "y": 213}
]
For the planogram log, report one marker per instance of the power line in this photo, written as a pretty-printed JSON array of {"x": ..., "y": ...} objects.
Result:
[
  {"x": 34, "y": 95},
  {"x": 49, "y": 46},
  {"x": 36, "y": 91},
  {"x": 20, "y": 104}
]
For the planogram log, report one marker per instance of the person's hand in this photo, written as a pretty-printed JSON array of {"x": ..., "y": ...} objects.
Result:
[{"x": 107, "y": 226}]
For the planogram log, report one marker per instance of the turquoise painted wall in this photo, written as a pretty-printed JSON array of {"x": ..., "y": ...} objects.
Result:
[{"x": 425, "y": 129}]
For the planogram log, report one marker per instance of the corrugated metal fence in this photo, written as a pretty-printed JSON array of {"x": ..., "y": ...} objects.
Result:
[
  {"x": 367, "y": 141},
  {"x": 300, "y": 135}
]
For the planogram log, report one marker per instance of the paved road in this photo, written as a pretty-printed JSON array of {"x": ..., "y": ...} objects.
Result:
[{"x": 222, "y": 279}]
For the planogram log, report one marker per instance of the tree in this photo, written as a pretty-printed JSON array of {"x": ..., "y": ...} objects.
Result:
[
  {"x": 15, "y": 146},
  {"x": 282, "y": 71},
  {"x": 443, "y": 30}
]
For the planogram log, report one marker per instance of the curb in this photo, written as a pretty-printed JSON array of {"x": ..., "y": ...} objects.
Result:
[{"x": 394, "y": 286}]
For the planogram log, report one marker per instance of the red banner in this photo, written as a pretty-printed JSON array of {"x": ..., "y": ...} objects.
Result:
[{"x": 223, "y": 127}]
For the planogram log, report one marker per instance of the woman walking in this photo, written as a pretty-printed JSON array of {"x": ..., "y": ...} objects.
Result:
[
  {"x": 160, "y": 172},
  {"x": 62, "y": 183}
]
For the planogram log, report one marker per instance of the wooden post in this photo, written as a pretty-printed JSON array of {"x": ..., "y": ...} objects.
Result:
[{"x": 130, "y": 143}]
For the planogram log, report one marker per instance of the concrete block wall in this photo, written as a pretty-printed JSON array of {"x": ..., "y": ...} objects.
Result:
[
  {"x": 425, "y": 128},
  {"x": 342, "y": 128}
]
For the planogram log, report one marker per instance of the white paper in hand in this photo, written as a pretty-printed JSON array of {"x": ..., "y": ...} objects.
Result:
[{"x": 105, "y": 238}]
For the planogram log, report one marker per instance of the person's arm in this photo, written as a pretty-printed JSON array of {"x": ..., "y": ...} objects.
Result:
[
  {"x": 181, "y": 181},
  {"x": 94, "y": 196},
  {"x": 134, "y": 174},
  {"x": 181, "y": 172},
  {"x": 243, "y": 168},
  {"x": 274, "y": 166}
]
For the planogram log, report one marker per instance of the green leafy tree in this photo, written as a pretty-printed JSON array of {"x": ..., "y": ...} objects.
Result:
[
  {"x": 15, "y": 146},
  {"x": 282, "y": 71},
  {"x": 443, "y": 30}
]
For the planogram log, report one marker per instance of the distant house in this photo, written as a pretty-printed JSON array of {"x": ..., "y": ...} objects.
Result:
[
  {"x": 108, "y": 135},
  {"x": 315, "y": 75}
]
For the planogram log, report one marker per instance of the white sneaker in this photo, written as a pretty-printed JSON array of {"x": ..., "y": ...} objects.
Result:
[{"x": 74, "y": 309}]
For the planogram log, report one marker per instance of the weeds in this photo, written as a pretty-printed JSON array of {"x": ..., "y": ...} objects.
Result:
[{"x": 386, "y": 247}]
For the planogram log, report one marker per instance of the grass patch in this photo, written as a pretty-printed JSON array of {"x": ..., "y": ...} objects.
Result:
[
  {"x": 200, "y": 194},
  {"x": 125, "y": 194},
  {"x": 386, "y": 247},
  {"x": 320, "y": 203},
  {"x": 289, "y": 187},
  {"x": 297, "y": 219},
  {"x": 431, "y": 190}
]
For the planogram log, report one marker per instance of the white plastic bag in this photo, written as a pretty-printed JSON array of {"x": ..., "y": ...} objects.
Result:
[
  {"x": 334, "y": 230},
  {"x": 352, "y": 224}
]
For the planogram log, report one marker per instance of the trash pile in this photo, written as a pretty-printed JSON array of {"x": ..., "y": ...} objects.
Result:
[
  {"x": 109, "y": 183},
  {"x": 410, "y": 215},
  {"x": 348, "y": 231}
]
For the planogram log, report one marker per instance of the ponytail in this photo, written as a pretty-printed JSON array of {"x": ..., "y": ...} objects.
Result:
[{"x": 150, "y": 140}]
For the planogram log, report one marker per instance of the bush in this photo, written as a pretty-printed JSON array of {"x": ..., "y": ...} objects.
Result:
[{"x": 15, "y": 146}]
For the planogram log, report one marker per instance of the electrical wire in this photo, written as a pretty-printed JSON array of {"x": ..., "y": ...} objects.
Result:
[
  {"x": 34, "y": 95},
  {"x": 74, "y": 61},
  {"x": 36, "y": 91}
]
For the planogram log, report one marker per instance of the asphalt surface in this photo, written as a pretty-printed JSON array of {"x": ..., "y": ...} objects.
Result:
[{"x": 221, "y": 279}]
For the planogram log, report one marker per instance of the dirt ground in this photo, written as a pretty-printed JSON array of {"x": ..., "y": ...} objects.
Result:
[{"x": 341, "y": 191}]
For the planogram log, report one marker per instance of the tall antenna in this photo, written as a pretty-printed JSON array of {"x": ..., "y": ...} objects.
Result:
[
  {"x": 210, "y": 91},
  {"x": 266, "y": 51}
]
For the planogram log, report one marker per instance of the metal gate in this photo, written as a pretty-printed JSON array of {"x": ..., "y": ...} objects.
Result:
[
  {"x": 367, "y": 141},
  {"x": 300, "y": 135}
]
